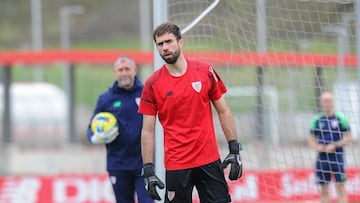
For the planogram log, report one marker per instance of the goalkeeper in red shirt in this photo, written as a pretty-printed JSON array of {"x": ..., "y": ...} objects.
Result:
[{"x": 180, "y": 93}]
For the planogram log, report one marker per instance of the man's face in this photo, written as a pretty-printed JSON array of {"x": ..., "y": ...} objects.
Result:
[
  {"x": 125, "y": 73},
  {"x": 169, "y": 48},
  {"x": 327, "y": 103}
]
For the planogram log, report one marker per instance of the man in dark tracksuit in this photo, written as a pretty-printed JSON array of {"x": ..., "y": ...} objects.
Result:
[
  {"x": 330, "y": 132},
  {"x": 124, "y": 162}
]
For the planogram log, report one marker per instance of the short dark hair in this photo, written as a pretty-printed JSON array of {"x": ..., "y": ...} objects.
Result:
[
  {"x": 167, "y": 28},
  {"x": 125, "y": 57}
]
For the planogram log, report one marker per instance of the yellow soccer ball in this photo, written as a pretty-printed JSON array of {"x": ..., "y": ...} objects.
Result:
[{"x": 103, "y": 121}]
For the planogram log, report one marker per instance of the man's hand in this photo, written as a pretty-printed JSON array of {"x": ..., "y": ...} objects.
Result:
[
  {"x": 320, "y": 148},
  {"x": 330, "y": 148},
  {"x": 151, "y": 181},
  {"x": 105, "y": 137},
  {"x": 233, "y": 158}
]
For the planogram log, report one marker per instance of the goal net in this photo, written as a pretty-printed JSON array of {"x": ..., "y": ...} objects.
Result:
[{"x": 276, "y": 57}]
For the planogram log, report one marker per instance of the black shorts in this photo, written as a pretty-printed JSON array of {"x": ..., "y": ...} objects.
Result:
[{"x": 209, "y": 181}]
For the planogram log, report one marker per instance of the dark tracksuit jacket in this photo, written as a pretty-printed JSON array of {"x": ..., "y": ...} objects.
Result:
[{"x": 124, "y": 153}]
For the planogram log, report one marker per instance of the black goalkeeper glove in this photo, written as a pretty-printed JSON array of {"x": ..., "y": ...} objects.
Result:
[
  {"x": 151, "y": 181},
  {"x": 233, "y": 158}
]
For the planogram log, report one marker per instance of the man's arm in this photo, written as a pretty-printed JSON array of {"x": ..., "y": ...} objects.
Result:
[
  {"x": 148, "y": 138},
  {"x": 147, "y": 151},
  {"x": 226, "y": 119},
  {"x": 313, "y": 144},
  {"x": 312, "y": 141},
  {"x": 229, "y": 129},
  {"x": 347, "y": 138}
]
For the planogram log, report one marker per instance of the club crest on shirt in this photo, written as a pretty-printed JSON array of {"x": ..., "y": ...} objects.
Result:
[
  {"x": 334, "y": 124},
  {"x": 113, "y": 179},
  {"x": 197, "y": 86},
  {"x": 137, "y": 100},
  {"x": 171, "y": 195}
]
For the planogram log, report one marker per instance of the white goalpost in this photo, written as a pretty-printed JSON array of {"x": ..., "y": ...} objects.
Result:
[
  {"x": 275, "y": 57},
  {"x": 160, "y": 16}
]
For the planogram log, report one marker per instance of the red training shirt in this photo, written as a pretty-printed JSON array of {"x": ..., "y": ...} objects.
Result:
[{"x": 184, "y": 110}]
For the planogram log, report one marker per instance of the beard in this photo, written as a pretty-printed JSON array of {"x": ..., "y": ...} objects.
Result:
[
  {"x": 173, "y": 59},
  {"x": 125, "y": 83}
]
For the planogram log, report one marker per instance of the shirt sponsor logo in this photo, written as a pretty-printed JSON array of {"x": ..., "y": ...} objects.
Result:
[
  {"x": 117, "y": 104},
  {"x": 197, "y": 86},
  {"x": 170, "y": 93},
  {"x": 213, "y": 72},
  {"x": 322, "y": 124},
  {"x": 334, "y": 123}
]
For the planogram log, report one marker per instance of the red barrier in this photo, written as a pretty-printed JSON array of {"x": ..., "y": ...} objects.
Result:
[
  {"x": 277, "y": 59},
  {"x": 72, "y": 56},
  {"x": 254, "y": 186}
]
